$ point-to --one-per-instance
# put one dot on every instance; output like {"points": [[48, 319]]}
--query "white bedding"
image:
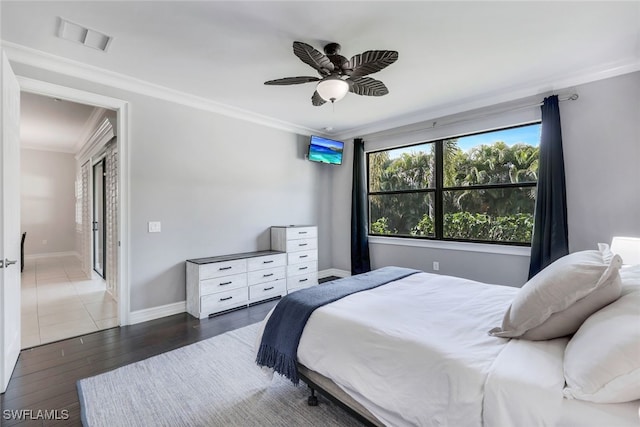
{"points": [[416, 352], [436, 369]]}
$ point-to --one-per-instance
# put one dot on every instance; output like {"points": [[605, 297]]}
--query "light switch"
{"points": [[154, 227]]}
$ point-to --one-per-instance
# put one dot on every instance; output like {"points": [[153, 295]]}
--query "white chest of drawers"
{"points": [[300, 242], [224, 282]]}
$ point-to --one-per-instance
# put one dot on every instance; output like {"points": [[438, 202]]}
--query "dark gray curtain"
{"points": [[550, 236], [360, 262]]}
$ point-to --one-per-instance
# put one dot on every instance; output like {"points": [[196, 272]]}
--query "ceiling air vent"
{"points": [[79, 34]]}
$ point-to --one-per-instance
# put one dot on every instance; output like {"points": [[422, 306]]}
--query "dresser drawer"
{"points": [[223, 300], [302, 281], [267, 290], [223, 283], [303, 268], [224, 268], [302, 256], [269, 261], [301, 232], [266, 275], [302, 245]]}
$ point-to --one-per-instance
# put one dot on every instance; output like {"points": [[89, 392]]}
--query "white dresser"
{"points": [[300, 242], [224, 282]]}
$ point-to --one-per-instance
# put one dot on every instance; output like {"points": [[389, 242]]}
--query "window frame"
{"points": [[439, 190]]}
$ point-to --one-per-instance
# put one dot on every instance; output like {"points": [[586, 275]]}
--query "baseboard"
{"points": [[153, 313], [333, 272], [52, 255]]}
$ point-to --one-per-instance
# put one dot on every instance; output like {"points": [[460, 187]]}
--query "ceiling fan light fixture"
{"points": [[332, 89]]}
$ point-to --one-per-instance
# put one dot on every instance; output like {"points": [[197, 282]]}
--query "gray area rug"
{"points": [[211, 383]]}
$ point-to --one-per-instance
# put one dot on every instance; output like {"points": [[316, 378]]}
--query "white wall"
{"points": [[216, 184], [601, 134], [47, 197], [602, 160]]}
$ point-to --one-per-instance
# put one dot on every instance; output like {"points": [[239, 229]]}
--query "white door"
{"points": [[9, 223]]}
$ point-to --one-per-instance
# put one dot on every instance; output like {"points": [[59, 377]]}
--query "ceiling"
{"points": [[54, 124], [452, 55]]}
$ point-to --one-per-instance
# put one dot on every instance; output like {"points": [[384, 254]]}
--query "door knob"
{"points": [[7, 263]]}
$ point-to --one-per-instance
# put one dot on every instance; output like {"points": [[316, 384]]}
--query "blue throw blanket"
{"points": [[279, 345]]}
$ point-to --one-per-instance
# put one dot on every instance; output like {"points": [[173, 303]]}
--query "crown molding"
{"points": [[39, 59], [554, 84], [98, 139], [89, 127]]}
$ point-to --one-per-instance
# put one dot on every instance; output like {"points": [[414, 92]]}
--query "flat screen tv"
{"points": [[325, 150]]}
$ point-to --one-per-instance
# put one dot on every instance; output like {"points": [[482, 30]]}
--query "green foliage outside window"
{"points": [[402, 187], [468, 226]]}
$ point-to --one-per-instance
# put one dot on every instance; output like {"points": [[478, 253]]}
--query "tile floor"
{"points": [[59, 302]]}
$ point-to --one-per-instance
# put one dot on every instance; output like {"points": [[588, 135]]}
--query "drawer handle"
{"points": [[225, 268], [302, 244], [302, 280], [302, 268], [267, 262], [225, 283], [302, 232], [303, 256], [225, 299], [268, 289], [267, 275]]}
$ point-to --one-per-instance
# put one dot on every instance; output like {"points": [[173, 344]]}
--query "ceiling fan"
{"points": [[339, 75]]}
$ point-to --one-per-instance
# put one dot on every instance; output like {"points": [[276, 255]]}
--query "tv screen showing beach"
{"points": [[325, 150]]}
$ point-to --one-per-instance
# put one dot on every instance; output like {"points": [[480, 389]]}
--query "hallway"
{"points": [[58, 302]]}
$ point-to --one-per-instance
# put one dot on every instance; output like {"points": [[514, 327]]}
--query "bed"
{"points": [[416, 352]]}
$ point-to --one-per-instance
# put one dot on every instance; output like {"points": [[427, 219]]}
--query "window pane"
{"points": [[501, 215], [499, 157], [409, 168], [402, 214]]}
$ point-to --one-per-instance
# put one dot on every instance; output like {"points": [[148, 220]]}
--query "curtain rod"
{"points": [[383, 134], [571, 97]]}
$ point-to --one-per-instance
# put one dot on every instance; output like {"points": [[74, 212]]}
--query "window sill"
{"points": [[452, 246]]}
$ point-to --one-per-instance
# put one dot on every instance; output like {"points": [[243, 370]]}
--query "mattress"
{"points": [[416, 352]]}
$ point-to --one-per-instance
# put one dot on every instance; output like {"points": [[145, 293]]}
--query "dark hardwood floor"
{"points": [[45, 376]]}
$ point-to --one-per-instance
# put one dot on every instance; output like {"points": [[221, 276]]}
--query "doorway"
{"points": [[54, 269], [65, 290]]}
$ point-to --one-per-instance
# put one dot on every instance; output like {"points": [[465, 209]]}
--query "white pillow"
{"points": [[556, 301], [602, 360]]}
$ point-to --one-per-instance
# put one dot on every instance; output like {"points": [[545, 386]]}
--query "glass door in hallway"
{"points": [[99, 213]]}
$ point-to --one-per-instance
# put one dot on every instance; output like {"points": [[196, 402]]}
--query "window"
{"points": [[478, 188]]}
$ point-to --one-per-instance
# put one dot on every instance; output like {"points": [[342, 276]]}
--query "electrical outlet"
{"points": [[155, 227], [436, 266]]}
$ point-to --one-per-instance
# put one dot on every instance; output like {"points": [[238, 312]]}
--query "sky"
{"points": [[527, 134], [524, 134]]}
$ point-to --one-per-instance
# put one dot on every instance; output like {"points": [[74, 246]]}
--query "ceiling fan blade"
{"points": [[372, 61], [313, 57], [316, 99], [292, 80], [367, 86]]}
